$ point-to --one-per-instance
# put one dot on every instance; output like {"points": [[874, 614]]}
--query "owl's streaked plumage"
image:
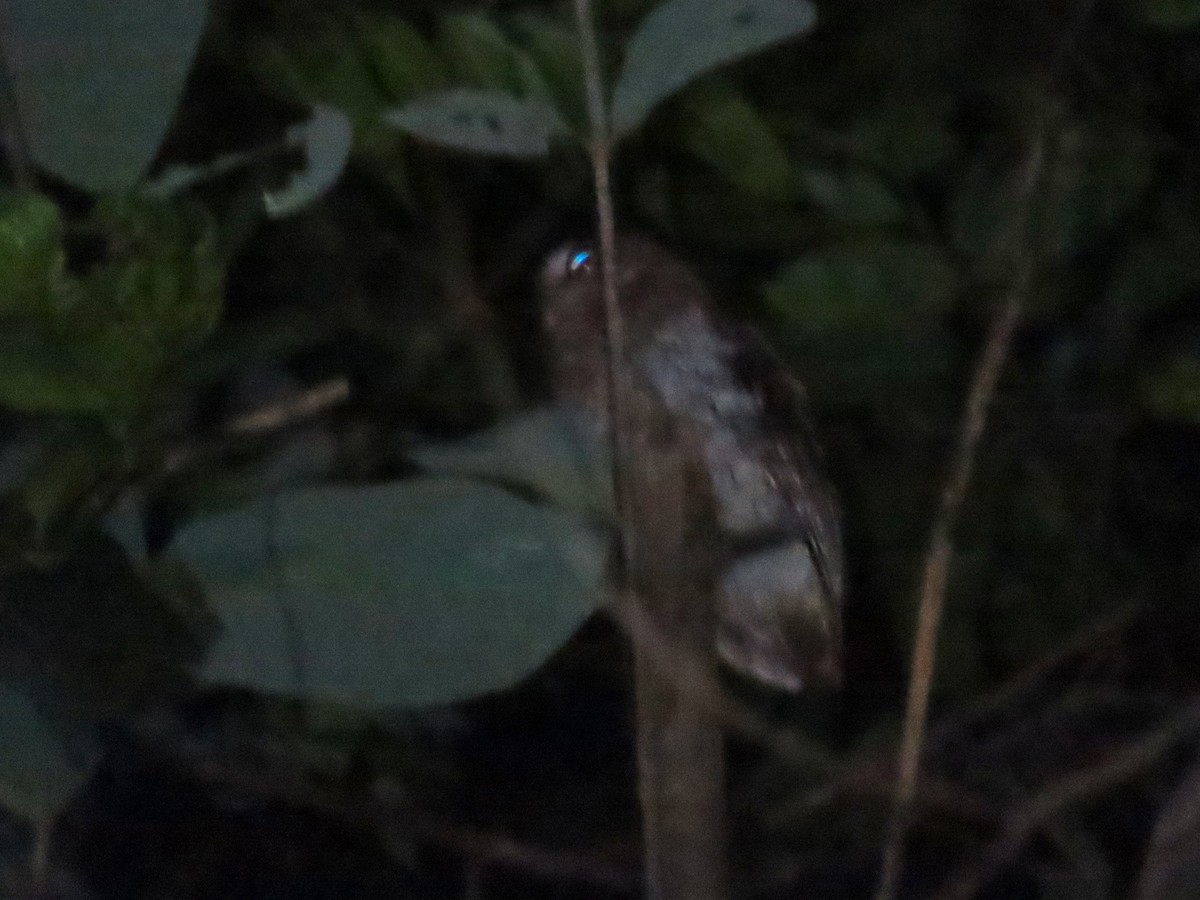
{"points": [[779, 593]]}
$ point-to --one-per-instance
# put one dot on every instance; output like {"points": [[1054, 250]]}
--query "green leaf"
{"points": [[404, 62], [39, 769], [545, 451], [326, 139], [554, 49], [867, 319], [67, 470], [97, 81], [682, 39], [31, 255], [482, 122], [333, 71], [403, 594], [852, 196], [480, 55], [38, 374], [906, 140], [729, 134]]}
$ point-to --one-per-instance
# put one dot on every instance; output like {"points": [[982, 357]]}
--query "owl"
{"points": [[746, 426]]}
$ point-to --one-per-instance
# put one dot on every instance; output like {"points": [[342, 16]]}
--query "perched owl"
{"points": [[779, 592]]}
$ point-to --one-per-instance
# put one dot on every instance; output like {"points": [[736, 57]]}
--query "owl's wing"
{"points": [[793, 553], [788, 442]]}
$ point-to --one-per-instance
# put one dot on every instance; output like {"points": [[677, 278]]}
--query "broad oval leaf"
{"points": [[729, 134], [40, 770], [404, 594], [326, 139], [97, 81], [867, 319], [682, 39], [545, 451], [482, 122]]}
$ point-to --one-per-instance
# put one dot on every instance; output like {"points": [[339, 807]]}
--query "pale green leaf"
{"points": [[97, 81], [404, 594], [481, 121], [682, 39], [326, 139]]}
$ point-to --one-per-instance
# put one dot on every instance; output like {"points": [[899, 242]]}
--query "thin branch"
{"points": [[1118, 767], [941, 544], [286, 413], [599, 151], [291, 410]]}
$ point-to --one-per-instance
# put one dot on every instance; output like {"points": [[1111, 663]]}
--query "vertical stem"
{"points": [[599, 151], [680, 752], [932, 595], [680, 747]]}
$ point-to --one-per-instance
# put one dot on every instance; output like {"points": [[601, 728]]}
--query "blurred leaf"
{"points": [[546, 451], [867, 318], [480, 55], [868, 288], [554, 49], [906, 140], [1171, 870], [97, 81], [326, 139], [852, 196], [1169, 15], [66, 472], [332, 71], [481, 121], [38, 374], [164, 281], [40, 772], [404, 594], [111, 333], [405, 64], [682, 39], [31, 254], [729, 134], [1171, 390]]}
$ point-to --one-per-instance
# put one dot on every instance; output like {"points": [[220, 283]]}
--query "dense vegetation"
{"points": [[297, 581]]}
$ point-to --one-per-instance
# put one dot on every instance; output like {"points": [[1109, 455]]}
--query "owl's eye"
{"points": [[580, 262]]}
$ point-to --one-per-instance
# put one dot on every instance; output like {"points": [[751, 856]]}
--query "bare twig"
{"points": [[292, 410], [680, 747], [296, 408], [599, 151], [1118, 767], [941, 544]]}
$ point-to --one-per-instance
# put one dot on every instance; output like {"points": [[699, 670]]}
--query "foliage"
{"points": [[213, 211]]}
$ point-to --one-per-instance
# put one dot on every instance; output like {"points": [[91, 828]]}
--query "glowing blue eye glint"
{"points": [[580, 261]]}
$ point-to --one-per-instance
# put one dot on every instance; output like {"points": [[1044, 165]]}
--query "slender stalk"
{"points": [[1021, 261], [680, 746]]}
